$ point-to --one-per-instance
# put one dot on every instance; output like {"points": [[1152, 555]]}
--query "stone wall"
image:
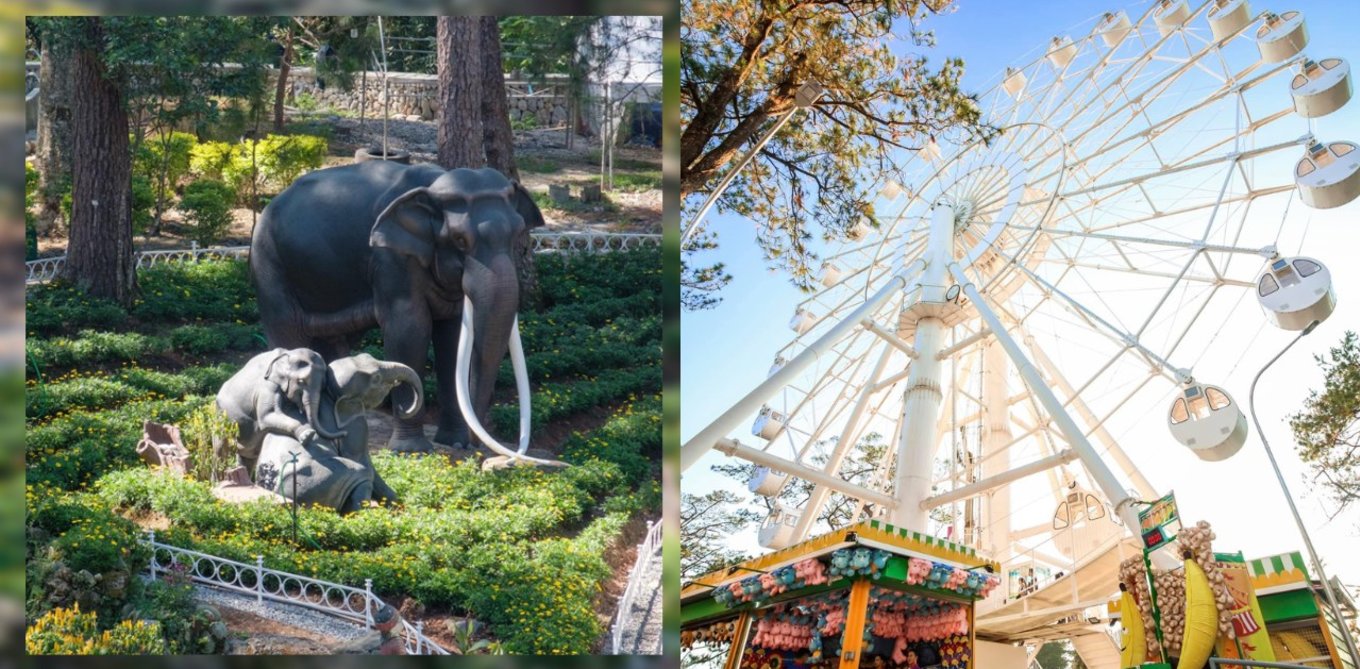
{"points": [[416, 95]]}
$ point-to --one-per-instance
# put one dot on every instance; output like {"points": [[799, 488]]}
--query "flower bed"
{"points": [[519, 549]]}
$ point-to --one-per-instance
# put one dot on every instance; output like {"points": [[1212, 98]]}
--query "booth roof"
{"points": [[869, 534]]}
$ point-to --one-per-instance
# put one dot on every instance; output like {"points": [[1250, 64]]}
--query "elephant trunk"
{"points": [[407, 376], [311, 402], [493, 290]]}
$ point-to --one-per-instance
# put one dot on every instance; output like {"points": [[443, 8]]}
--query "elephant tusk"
{"points": [[521, 384], [464, 398]]}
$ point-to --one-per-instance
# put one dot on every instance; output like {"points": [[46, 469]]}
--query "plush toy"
{"points": [[860, 560], [957, 577], [879, 563], [840, 563]]}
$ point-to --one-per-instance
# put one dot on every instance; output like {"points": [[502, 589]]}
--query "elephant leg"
{"points": [[406, 339], [330, 348], [361, 493], [382, 491], [453, 430]]}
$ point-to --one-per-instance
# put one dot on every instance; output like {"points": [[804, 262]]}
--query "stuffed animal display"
{"points": [[859, 562], [940, 576], [954, 652], [716, 633], [763, 586]]}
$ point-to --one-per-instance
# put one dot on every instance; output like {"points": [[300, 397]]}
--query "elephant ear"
{"points": [[525, 207], [407, 225]]}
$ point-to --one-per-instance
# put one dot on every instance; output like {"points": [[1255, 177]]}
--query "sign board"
{"points": [[1159, 522]]}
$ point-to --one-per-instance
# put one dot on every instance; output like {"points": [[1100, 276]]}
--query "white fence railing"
{"points": [[649, 548], [43, 270], [343, 601]]}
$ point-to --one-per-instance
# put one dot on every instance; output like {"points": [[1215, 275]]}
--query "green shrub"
{"points": [[216, 290], [208, 159], [270, 164], [143, 204], [58, 305], [70, 632], [30, 222], [162, 161], [306, 102], [283, 158], [207, 207], [208, 434]]}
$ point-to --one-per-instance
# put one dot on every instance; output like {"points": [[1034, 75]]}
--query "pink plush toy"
{"points": [[990, 585], [810, 571], [770, 584], [917, 570], [956, 579]]}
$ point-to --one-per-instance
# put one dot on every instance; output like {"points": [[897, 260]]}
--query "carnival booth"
{"points": [[869, 595]]}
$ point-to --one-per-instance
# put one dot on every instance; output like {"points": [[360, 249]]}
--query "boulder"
{"points": [[502, 462]]}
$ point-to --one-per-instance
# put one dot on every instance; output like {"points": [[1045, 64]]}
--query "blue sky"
{"points": [[728, 350]]}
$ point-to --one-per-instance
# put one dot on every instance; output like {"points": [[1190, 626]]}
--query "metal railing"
{"points": [[342, 601], [1216, 662], [43, 270], [650, 547]]}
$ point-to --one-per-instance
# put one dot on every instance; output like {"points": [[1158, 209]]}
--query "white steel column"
{"points": [[747, 406], [996, 452], [921, 402], [1101, 474]]}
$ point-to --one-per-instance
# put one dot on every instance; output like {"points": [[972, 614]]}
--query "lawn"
{"points": [[521, 550]]}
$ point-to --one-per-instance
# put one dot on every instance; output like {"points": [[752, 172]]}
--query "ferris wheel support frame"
{"points": [[704, 441], [1100, 473], [996, 446], [922, 399]]}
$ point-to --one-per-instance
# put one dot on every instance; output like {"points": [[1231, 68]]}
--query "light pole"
{"points": [[1307, 541], [802, 99]]}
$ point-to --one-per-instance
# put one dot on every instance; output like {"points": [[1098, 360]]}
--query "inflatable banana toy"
{"points": [[1201, 617], [1133, 650]]}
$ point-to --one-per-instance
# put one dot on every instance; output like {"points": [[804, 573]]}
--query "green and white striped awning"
{"points": [[1278, 573]]}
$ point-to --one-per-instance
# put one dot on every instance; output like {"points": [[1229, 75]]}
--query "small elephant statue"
{"points": [[339, 473], [276, 392]]}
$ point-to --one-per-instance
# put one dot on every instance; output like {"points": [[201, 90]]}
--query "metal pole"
{"points": [[294, 463], [259, 579], [805, 97], [1284, 487], [921, 402], [382, 44]]}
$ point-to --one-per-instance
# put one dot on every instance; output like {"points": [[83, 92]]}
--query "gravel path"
{"points": [[642, 625], [325, 625]]}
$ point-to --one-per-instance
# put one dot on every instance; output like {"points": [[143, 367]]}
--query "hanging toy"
{"points": [[840, 563], [879, 563]]}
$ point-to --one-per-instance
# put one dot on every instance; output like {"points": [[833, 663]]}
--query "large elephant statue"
{"points": [[276, 392], [424, 253], [339, 473]]}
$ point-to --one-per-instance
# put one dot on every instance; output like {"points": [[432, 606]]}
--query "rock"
{"points": [[501, 462], [591, 193], [368, 644], [559, 193], [237, 475]]}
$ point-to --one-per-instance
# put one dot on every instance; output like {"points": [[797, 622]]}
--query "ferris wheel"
{"points": [[1030, 303]]}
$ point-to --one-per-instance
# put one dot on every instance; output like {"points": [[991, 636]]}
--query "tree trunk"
{"points": [[54, 132], [285, 64], [500, 141], [460, 92], [99, 256]]}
